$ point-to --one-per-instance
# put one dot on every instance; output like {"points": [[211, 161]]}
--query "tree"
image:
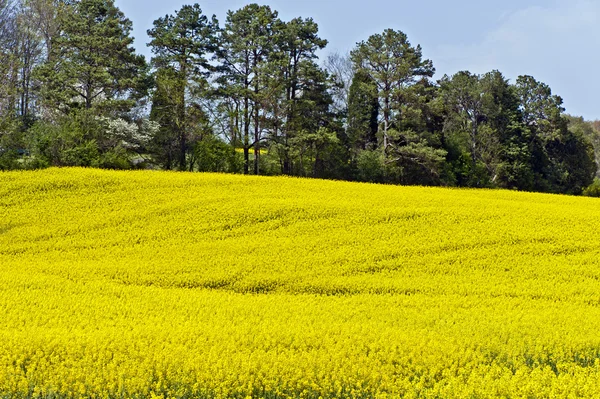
{"points": [[85, 139], [166, 111], [589, 130], [465, 125], [507, 156], [91, 78], [247, 47], [395, 65], [6, 19], [462, 98], [10, 137], [24, 36], [315, 125], [92, 63], [313, 147], [484, 123], [412, 152], [363, 112], [182, 45], [563, 159], [341, 70], [416, 153], [47, 16], [30, 55], [214, 155], [300, 75], [8, 58]]}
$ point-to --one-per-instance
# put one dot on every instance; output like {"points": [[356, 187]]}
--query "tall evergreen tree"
{"points": [[93, 63], [416, 153], [395, 65], [182, 44], [563, 159], [316, 127], [248, 43], [166, 111], [504, 150], [363, 112], [465, 118], [298, 47]]}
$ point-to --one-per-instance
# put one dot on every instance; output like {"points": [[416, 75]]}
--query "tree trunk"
{"points": [[256, 127], [246, 134], [474, 129], [386, 119], [182, 121], [256, 143]]}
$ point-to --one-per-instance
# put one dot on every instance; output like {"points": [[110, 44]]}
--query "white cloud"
{"points": [[558, 44]]}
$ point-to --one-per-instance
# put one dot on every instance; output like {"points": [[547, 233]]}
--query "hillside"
{"points": [[145, 284]]}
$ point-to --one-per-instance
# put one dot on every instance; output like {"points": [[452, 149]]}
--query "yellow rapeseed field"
{"points": [[175, 285]]}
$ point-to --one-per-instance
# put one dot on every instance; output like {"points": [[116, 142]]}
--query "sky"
{"points": [[556, 41]]}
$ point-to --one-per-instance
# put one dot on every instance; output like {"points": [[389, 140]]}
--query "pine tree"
{"points": [[92, 63], [248, 44], [395, 65], [363, 112]]}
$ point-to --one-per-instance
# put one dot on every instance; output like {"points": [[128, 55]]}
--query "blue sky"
{"points": [[558, 42]]}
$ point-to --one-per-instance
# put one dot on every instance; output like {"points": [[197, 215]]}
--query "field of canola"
{"points": [[155, 284]]}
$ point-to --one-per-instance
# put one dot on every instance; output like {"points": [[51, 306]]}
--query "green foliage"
{"points": [[184, 40], [310, 150], [461, 95], [541, 110], [395, 66], [83, 139], [593, 190], [93, 64], [413, 160], [516, 170], [182, 44], [370, 166], [248, 46], [573, 163], [363, 112], [306, 84], [168, 110], [390, 69], [517, 133], [71, 142], [12, 145], [591, 132], [214, 155], [564, 160], [252, 97]]}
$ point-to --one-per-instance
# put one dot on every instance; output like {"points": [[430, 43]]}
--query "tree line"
{"points": [[250, 95]]}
